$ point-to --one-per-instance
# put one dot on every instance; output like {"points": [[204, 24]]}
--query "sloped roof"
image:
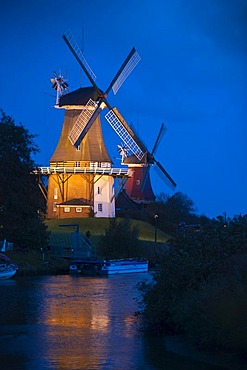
{"points": [[132, 159], [92, 147], [79, 96]]}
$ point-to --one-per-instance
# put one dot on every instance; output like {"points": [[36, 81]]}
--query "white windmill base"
{"points": [[104, 200]]}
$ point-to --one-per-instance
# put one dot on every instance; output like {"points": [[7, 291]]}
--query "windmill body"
{"points": [[81, 179], [139, 187], [81, 176], [135, 187]]}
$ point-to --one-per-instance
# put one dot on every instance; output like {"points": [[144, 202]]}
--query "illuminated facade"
{"points": [[80, 179]]}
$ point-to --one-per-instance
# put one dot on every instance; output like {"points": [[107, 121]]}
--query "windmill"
{"points": [[81, 178], [59, 83], [138, 187], [141, 158]]}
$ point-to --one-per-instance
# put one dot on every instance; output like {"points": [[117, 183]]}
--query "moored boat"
{"points": [[7, 268], [89, 266], [124, 266], [108, 267]]}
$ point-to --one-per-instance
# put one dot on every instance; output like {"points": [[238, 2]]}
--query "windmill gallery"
{"points": [[82, 181]]}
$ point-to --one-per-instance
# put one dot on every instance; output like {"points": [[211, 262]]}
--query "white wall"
{"points": [[103, 193]]}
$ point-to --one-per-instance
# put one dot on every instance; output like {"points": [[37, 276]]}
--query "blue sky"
{"points": [[192, 77]]}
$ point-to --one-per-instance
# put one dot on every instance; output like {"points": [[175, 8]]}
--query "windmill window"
{"points": [[100, 207], [55, 193], [99, 191], [77, 164], [78, 209], [67, 209], [93, 164], [54, 206], [105, 165], [78, 147]]}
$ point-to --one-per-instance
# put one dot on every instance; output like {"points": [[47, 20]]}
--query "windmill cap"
{"points": [[79, 97], [132, 159]]}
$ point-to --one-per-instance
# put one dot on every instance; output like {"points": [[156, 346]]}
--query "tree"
{"points": [[120, 240], [200, 288], [171, 211], [21, 205]]}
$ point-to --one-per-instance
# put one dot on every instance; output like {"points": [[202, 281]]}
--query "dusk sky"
{"points": [[192, 77]]}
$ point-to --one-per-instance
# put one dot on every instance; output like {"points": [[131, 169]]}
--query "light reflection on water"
{"points": [[64, 322], [99, 316]]}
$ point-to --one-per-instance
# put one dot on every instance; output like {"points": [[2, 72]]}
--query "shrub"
{"points": [[215, 316], [201, 287], [120, 240]]}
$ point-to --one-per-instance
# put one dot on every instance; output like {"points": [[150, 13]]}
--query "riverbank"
{"points": [[182, 345], [32, 263]]}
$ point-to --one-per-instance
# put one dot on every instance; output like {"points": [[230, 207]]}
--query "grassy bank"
{"points": [[97, 227], [35, 263], [31, 263]]}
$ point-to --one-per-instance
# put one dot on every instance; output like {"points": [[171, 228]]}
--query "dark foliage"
{"points": [[201, 286], [21, 204], [120, 240], [171, 211]]}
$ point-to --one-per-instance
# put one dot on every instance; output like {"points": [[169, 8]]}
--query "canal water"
{"points": [[66, 322]]}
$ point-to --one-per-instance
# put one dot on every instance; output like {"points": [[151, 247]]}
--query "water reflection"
{"points": [[87, 321], [85, 310], [74, 323]]}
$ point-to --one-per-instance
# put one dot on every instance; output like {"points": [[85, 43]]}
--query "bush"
{"points": [[215, 316], [201, 287], [120, 240]]}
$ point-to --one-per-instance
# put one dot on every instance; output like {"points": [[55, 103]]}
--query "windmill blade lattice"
{"points": [[123, 133], [159, 138], [81, 122], [164, 175], [157, 166], [117, 122], [75, 49], [129, 64]]}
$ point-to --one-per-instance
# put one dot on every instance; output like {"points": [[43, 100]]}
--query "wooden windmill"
{"points": [[81, 176], [138, 186], [140, 160]]}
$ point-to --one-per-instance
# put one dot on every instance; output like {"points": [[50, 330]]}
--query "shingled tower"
{"points": [[81, 178]]}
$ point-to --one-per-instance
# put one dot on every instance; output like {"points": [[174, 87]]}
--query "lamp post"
{"points": [[155, 227]]}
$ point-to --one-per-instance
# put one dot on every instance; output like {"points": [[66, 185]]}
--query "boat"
{"points": [[7, 268], [124, 266], [107, 267], [88, 266]]}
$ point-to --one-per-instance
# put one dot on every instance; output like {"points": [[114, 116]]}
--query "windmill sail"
{"points": [[151, 161], [126, 135], [81, 122], [165, 175], [130, 63], [116, 121], [74, 47], [159, 138]]}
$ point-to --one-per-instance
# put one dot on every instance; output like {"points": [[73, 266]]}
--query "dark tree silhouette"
{"points": [[21, 204], [120, 240]]}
